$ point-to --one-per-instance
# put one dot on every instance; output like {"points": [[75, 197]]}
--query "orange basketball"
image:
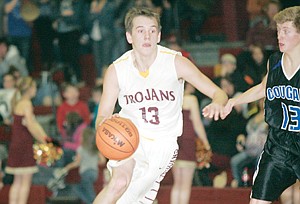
{"points": [[117, 138]]}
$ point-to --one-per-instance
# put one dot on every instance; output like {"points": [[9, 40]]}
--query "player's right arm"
{"points": [[109, 96]]}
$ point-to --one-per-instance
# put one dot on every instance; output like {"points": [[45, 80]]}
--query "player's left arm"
{"points": [[188, 71]]}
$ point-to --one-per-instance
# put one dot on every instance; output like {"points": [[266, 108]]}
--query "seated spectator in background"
{"points": [[10, 57], [15, 72], [94, 103], [47, 94], [263, 29], [252, 64], [71, 103], [72, 135], [226, 85], [6, 95], [259, 60], [87, 159], [228, 68], [249, 146]]}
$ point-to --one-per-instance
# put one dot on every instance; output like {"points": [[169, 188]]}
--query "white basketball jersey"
{"points": [[153, 103]]}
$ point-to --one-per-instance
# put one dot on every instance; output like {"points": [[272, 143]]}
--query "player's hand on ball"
{"points": [[103, 118]]}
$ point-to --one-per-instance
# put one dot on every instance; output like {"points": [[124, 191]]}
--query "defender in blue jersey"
{"points": [[279, 164]]}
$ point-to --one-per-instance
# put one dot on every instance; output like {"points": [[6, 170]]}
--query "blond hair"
{"points": [[135, 12], [289, 14], [22, 86]]}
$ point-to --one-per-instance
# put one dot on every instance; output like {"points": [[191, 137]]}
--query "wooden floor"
{"points": [[209, 195], [200, 195]]}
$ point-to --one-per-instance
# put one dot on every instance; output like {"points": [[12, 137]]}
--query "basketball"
{"points": [[117, 138]]}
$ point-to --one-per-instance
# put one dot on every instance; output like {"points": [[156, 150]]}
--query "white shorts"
{"points": [[154, 158]]}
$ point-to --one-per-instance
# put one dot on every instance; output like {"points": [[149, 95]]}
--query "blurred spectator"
{"points": [[175, 44], [3, 157], [71, 136], [48, 93], [87, 159], [255, 10], [45, 32], [196, 12], [6, 95], [249, 146], [2, 15], [226, 84], [94, 103], [185, 165], [15, 72], [228, 68], [222, 137], [19, 31], [253, 65], [168, 18], [9, 81], [100, 26], [71, 103], [68, 25], [25, 129], [120, 45], [263, 31], [10, 59]]}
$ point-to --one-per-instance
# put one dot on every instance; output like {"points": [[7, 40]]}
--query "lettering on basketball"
{"points": [[123, 125], [150, 95], [113, 137]]}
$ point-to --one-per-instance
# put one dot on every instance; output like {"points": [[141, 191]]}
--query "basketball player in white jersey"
{"points": [[148, 83]]}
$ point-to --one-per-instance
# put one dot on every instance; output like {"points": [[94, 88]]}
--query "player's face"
{"points": [[288, 37], [144, 35]]}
